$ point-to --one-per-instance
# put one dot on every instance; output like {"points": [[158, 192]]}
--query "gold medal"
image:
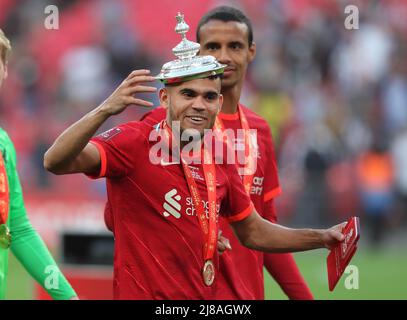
{"points": [[5, 236], [208, 273]]}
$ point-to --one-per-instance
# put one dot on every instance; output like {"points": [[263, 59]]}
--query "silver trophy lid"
{"points": [[188, 66]]}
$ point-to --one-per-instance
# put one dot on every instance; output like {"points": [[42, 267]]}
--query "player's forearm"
{"points": [[259, 234], [73, 140], [275, 238]]}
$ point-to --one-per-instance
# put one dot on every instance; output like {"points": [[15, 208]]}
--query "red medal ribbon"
{"points": [[248, 171], [209, 229], [4, 192]]}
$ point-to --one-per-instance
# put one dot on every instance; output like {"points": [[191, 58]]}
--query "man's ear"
{"points": [[252, 51], [164, 98], [220, 103]]}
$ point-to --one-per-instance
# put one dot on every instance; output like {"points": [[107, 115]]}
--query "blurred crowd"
{"points": [[335, 98]]}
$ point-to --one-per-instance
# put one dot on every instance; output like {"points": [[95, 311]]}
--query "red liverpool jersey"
{"points": [[239, 279], [158, 239]]}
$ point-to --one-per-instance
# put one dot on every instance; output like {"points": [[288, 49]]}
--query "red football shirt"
{"points": [[238, 279], [158, 239]]}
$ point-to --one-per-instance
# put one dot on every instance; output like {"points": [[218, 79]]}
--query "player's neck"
{"points": [[231, 97]]}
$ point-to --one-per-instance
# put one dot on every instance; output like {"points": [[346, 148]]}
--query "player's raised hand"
{"points": [[333, 236], [123, 96]]}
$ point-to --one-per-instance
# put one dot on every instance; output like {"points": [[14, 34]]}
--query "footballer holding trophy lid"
{"points": [[226, 33], [162, 253]]}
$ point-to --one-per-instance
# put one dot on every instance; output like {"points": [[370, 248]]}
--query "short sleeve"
{"points": [[108, 216], [271, 182], [154, 116], [118, 149], [237, 205], [269, 211]]}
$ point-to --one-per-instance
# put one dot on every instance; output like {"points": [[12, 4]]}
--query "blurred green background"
{"points": [[382, 275]]}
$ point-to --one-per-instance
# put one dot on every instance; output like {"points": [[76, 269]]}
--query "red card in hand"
{"points": [[340, 256]]}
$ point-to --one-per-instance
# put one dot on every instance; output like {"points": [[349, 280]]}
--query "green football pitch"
{"points": [[382, 275]]}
